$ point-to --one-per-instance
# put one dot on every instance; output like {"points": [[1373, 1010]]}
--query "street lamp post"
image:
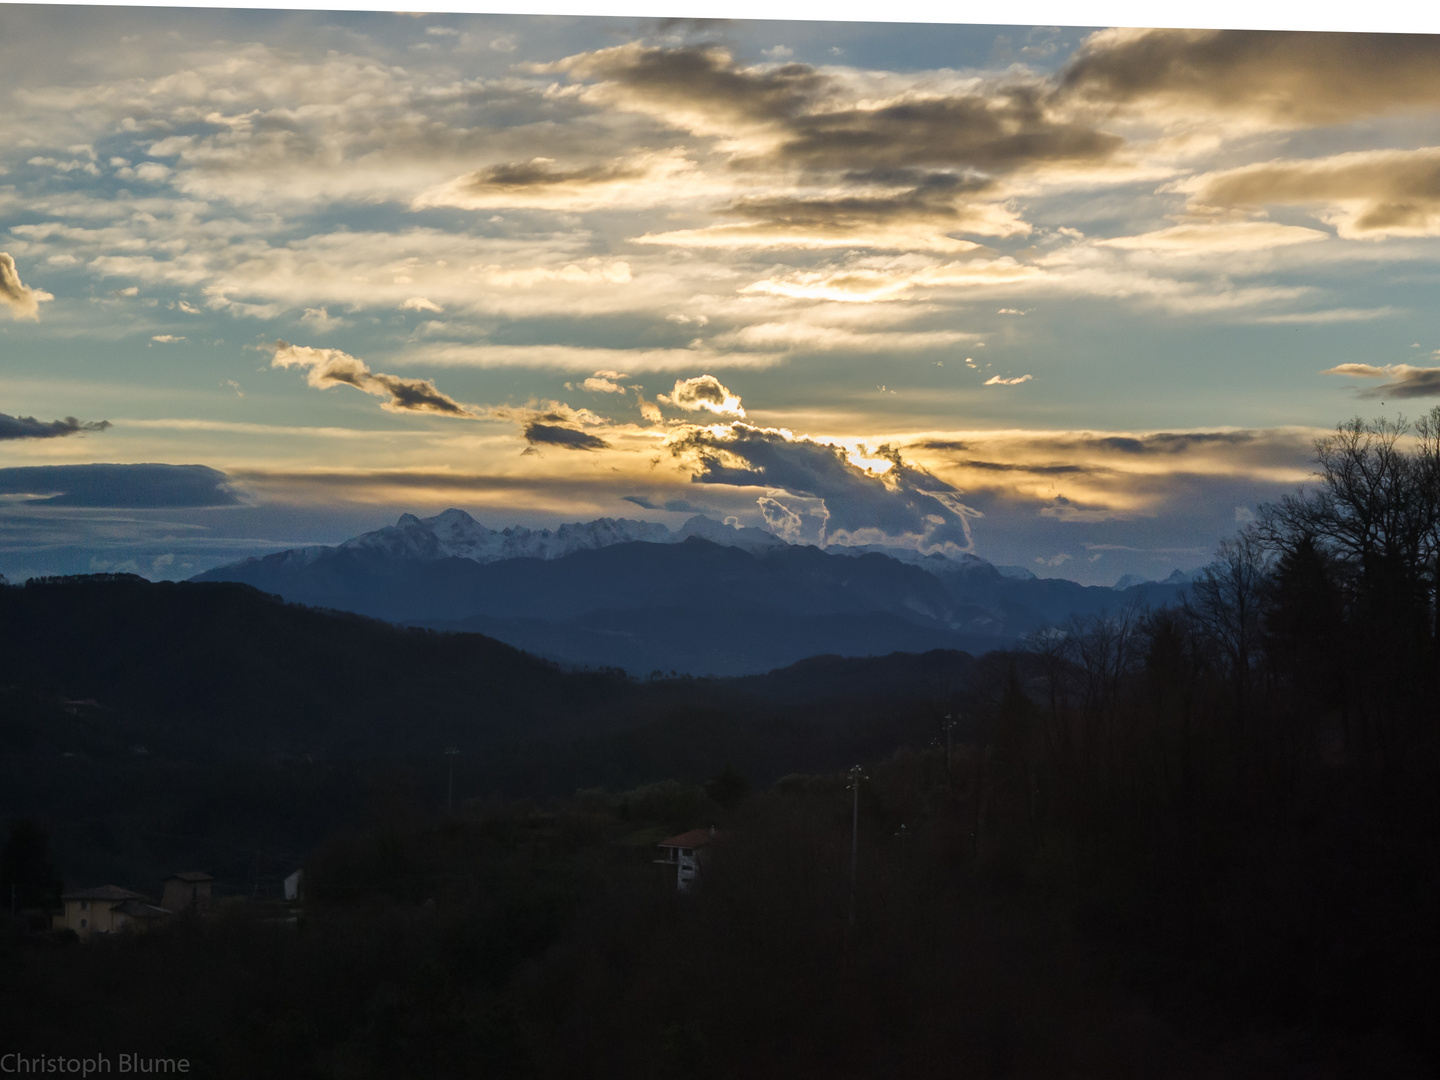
{"points": [[857, 774]]}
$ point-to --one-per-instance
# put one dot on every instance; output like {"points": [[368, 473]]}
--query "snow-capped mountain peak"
{"points": [[455, 534], [718, 532]]}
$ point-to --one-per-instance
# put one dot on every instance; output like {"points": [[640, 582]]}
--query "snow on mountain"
{"points": [[727, 535], [455, 534], [1177, 577], [967, 566], [1130, 581], [1016, 573]]}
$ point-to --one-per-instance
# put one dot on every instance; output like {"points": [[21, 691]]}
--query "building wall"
{"points": [[99, 918], [182, 895]]}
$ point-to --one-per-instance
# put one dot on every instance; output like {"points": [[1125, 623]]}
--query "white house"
{"points": [[102, 910], [686, 853]]}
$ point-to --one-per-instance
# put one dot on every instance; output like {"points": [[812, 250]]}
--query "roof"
{"points": [[102, 892], [692, 839], [136, 910], [190, 875]]}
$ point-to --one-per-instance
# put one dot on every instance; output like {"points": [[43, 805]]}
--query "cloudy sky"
{"points": [[1075, 298]]}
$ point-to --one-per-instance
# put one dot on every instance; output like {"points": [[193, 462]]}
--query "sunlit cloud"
{"points": [[703, 392], [604, 382], [577, 358], [798, 335], [1281, 77], [1405, 380], [639, 180], [553, 423], [331, 367], [1219, 237], [1367, 194], [18, 298], [872, 281], [808, 484]]}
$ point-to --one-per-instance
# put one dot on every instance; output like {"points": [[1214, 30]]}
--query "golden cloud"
{"points": [[1367, 194], [1282, 77], [331, 367], [23, 301]]}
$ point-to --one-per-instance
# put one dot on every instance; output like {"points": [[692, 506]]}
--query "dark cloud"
{"points": [[1405, 381], [1165, 442], [904, 504], [1001, 132], [27, 427], [570, 438], [23, 301], [934, 206], [541, 172], [676, 506], [416, 395], [704, 78], [120, 486], [1409, 383], [552, 423], [1289, 76], [1009, 128], [331, 367]]}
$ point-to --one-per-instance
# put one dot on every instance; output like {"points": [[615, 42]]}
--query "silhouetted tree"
{"points": [[26, 873], [727, 788], [1373, 521]]}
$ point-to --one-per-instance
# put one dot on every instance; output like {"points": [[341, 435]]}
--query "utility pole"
{"points": [[450, 752], [856, 775]]}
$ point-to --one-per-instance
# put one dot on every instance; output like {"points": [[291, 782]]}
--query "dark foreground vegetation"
{"points": [[1189, 842]]}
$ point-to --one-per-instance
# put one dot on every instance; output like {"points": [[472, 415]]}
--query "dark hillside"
{"points": [[224, 667], [149, 723], [693, 607]]}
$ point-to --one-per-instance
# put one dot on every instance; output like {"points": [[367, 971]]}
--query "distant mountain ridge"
{"points": [[708, 598], [455, 534]]}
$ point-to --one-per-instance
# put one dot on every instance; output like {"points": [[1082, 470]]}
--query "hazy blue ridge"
{"points": [[591, 596]]}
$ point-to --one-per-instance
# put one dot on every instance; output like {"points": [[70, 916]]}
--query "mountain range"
{"points": [[708, 598]]}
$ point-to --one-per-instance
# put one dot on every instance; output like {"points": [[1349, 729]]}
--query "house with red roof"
{"points": [[686, 853]]}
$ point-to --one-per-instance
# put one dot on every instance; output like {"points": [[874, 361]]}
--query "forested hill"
{"points": [[132, 710], [226, 667], [220, 668]]}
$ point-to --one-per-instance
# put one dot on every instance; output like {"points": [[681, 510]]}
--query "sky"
{"points": [[1078, 299]]}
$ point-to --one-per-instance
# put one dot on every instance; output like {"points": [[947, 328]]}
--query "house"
{"points": [[295, 887], [187, 891], [94, 911], [136, 916], [686, 853]]}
